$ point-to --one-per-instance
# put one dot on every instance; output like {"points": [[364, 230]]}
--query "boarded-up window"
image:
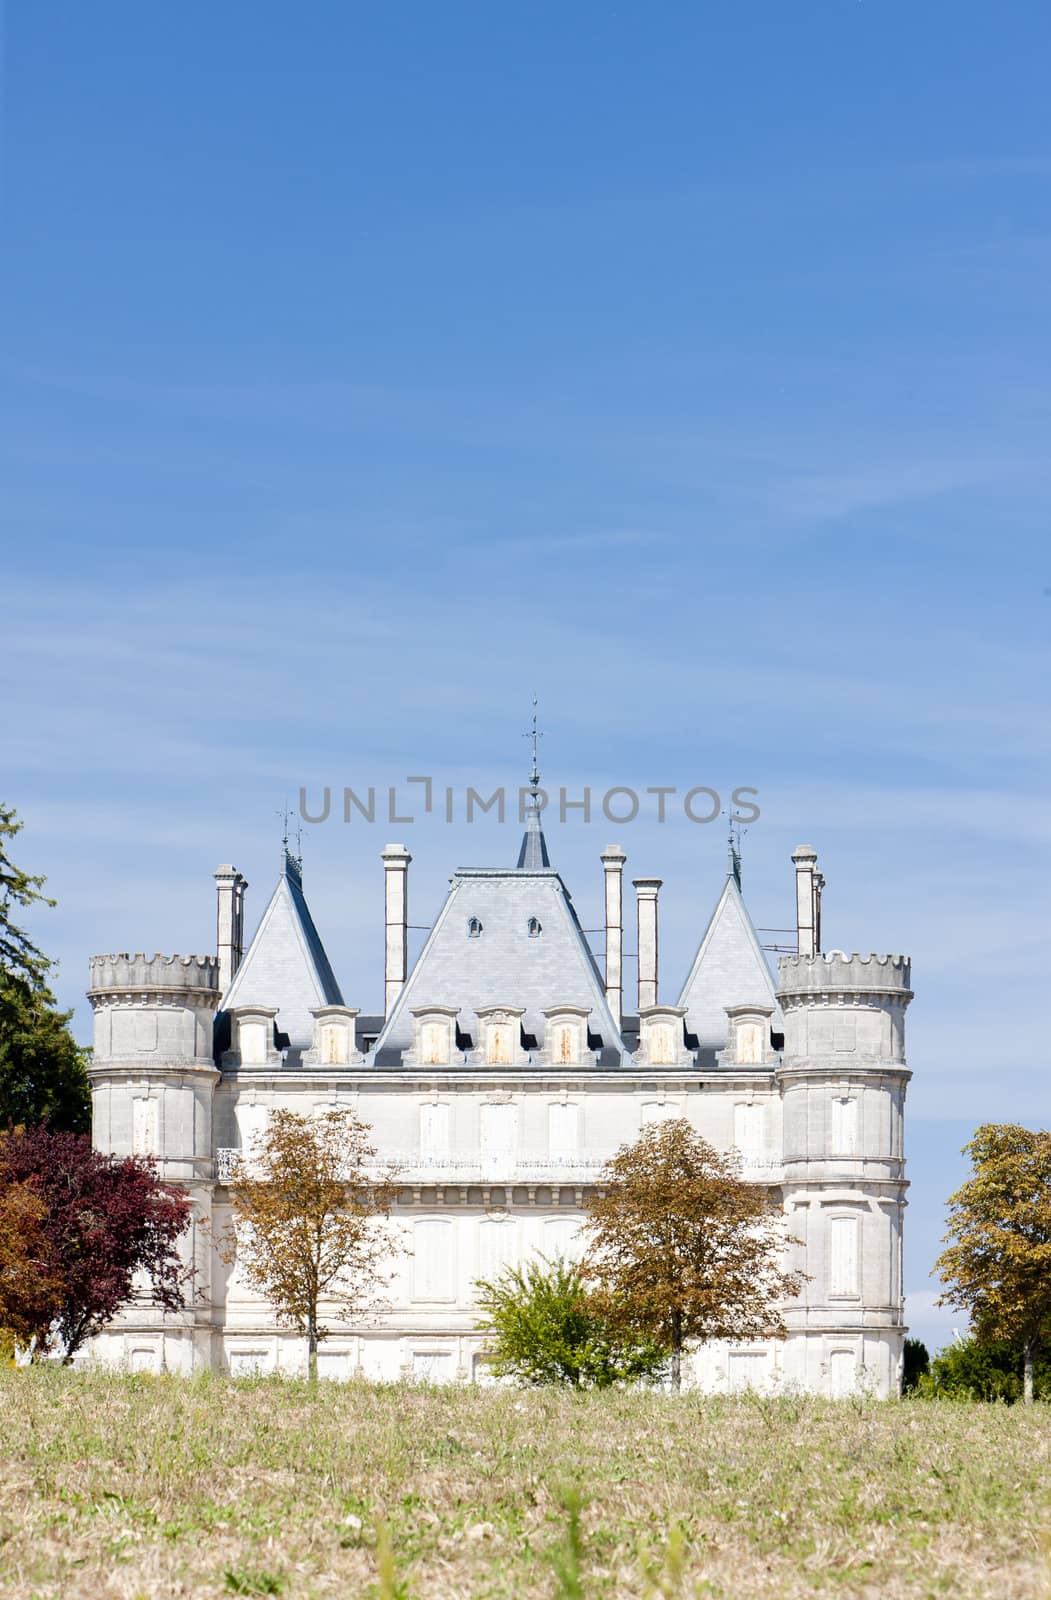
{"points": [[333, 1365], [251, 1125], [657, 1111], [843, 1256], [845, 1034], [432, 1366], [844, 1130], [432, 1261], [434, 1044], [563, 1129], [562, 1237], [745, 1369], [248, 1363], [498, 1129], [252, 1038], [567, 1044], [842, 1373], [334, 1045], [748, 1127], [498, 1044], [749, 1044], [497, 1246], [144, 1360], [661, 1045], [145, 1121], [434, 1130]]}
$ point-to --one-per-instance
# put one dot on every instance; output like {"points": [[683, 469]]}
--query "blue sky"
{"points": [[365, 370]]}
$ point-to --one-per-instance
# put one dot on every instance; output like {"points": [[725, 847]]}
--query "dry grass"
{"points": [[134, 1486]]}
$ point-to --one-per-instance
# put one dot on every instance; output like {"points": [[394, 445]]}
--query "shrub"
{"points": [[546, 1328]]}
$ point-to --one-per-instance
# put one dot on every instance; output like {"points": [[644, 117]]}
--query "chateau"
{"points": [[502, 1073]]}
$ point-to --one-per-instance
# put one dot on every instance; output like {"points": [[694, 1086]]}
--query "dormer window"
{"points": [[533, 927], [498, 1044], [565, 1035], [334, 1040], [566, 1052], [474, 928], [434, 1044], [499, 1035], [435, 1035]]}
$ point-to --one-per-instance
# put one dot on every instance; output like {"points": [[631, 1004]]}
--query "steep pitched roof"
{"points": [[728, 969], [286, 965], [503, 963]]}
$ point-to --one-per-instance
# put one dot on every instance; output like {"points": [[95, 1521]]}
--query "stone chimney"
{"points": [[229, 937], [613, 859], [808, 900], [646, 891], [396, 873]]}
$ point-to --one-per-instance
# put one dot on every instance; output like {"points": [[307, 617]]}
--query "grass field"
{"points": [[134, 1486]]}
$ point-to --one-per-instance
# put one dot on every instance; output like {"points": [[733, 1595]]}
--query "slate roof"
{"points": [[730, 968], [503, 964], [286, 965]]}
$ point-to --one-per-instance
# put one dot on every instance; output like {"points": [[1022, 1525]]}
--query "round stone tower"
{"points": [[843, 1079], [153, 1078]]}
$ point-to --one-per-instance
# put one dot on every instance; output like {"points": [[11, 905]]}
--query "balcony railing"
{"points": [[503, 1166]]}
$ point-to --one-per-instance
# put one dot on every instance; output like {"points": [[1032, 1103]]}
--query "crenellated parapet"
{"points": [[810, 977], [140, 974]]}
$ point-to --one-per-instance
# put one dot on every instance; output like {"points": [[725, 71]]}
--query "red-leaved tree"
{"points": [[97, 1221]]}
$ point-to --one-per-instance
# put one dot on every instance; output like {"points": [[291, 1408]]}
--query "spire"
{"points": [[733, 846], [533, 853], [291, 864]]}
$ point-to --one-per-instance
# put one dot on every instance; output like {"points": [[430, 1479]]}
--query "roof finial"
{"points": [[733, 845], [534, 733], [290, 862]]}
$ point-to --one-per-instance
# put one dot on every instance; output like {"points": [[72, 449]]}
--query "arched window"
{"points": [[474, 928], [533, 927]]}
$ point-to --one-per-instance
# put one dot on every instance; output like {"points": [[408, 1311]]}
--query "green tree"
{"points": [[971, 1370], [43, 1071], [545, 1327], [997, 1266], [683, 1248], [305, 1212], [18, 953], [916, 1362]]}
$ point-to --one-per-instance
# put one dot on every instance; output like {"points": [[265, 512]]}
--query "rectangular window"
{"points": [[562, 1238], [656, 1111], [252, 1041], [745, 1369], [333, 1365], [498, 1129], [432, 1366], [434, 1044], [434, 1130], [748, 1127], [144, 1127], [248, 1363], [496, 1247], [432, 1260], [563, 1129], [498, 1044], [842, 1373], [334, 1051], [844, 1126], [843, 1256]]}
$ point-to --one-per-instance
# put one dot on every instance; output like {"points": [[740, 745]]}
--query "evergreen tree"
{"points": [[43, 1071]]}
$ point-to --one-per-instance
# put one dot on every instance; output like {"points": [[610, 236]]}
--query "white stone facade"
{"points": [[500, 1115]]}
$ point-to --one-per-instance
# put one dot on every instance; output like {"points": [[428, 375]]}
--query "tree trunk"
{"points": [[1027, 1373], [676, 1352], [312, 1350]]}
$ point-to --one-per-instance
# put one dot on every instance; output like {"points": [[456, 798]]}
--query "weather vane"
{"points": [[534, 733]]}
